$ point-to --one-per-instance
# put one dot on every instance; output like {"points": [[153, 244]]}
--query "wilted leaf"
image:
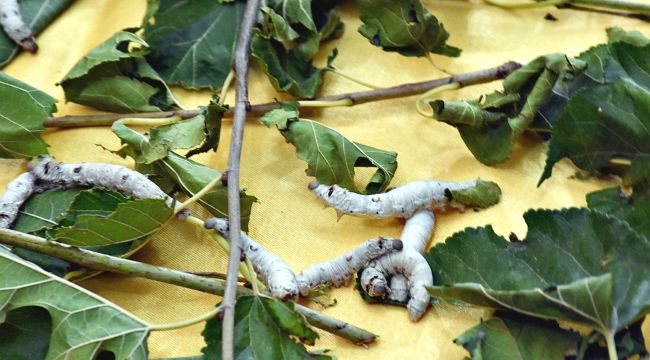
{"points": [[213, 113], [23, 110], [114, 78], [37, 14], [574, 265], [264, 328], [405, 26], [73, 311], [513, 336], [192, 42], [330, 156]]}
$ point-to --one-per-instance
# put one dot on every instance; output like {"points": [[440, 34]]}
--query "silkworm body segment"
{"points": [[14, 26]]}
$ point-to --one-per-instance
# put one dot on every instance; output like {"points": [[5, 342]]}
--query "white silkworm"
{"points": [[407, 269], [13, 24], [112, 177], [340, 270], [272, 270], [16, 193], [402, 201]]}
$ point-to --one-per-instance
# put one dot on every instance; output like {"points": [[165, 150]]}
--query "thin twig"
{"points": [[214, 275], [242, 54], [360, 97], [103, 262]]}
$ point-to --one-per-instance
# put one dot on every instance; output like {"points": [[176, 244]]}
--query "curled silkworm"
{"points": [[272, 270], [404, 201], [112, 177], [415, 268], [340, 270], [13, 24], [403, 276]]}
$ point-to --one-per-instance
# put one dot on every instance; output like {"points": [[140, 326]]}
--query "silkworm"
{"points": [[16, 193], [402, 201], [399, 288], [109, 176], [340, 270], [272, 270], [14, 26]]}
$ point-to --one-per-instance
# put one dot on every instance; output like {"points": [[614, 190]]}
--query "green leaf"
{"points": [[330, 156], [405, 26], [192, 42], [37, 14], [73, 311], [276, 27], [636, 38], [629, 342], [114, 78], [190, 177], [264, 328], [574, 265], [25, 333], [612, 120], [213, 114], [286, 69], [513, 336], [23, 110], [42, 211], [483, 195], [131, 221], [147, 149]]}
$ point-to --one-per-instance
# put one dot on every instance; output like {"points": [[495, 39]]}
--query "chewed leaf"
{"points": [[23, 110], [483, 195], [574, 265], [330, 156], [131, 221], [42, 211], [72, 310], [37, 13], [512, 336], [405, 26], [274, 324], [192, 42], [115, 78]]}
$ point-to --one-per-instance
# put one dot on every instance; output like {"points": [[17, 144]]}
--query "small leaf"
{"points": [[192, 42], [23, 110], [147, 149], [73, 310], [636, 38], [131, 221], [574, 265], [513, 336], [286, 70], [483, 195], [114, 78], [330, 156], [264, 328], [212, 114], [405, 26], [37, 14]]}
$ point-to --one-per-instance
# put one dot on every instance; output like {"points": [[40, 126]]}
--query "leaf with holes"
{"points": [[405, 26], [23, 110], [574, 265], [330, 156], [114, 77], [192, 42], [72, 310], [37, 14]]}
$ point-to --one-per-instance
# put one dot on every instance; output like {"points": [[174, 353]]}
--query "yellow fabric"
{"points": [[288, 220]]}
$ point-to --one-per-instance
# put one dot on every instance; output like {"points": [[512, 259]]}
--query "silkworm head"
{"points": [[313, 185]]}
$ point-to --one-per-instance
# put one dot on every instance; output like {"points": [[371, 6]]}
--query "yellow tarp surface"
{"points": [[288, 220]]}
